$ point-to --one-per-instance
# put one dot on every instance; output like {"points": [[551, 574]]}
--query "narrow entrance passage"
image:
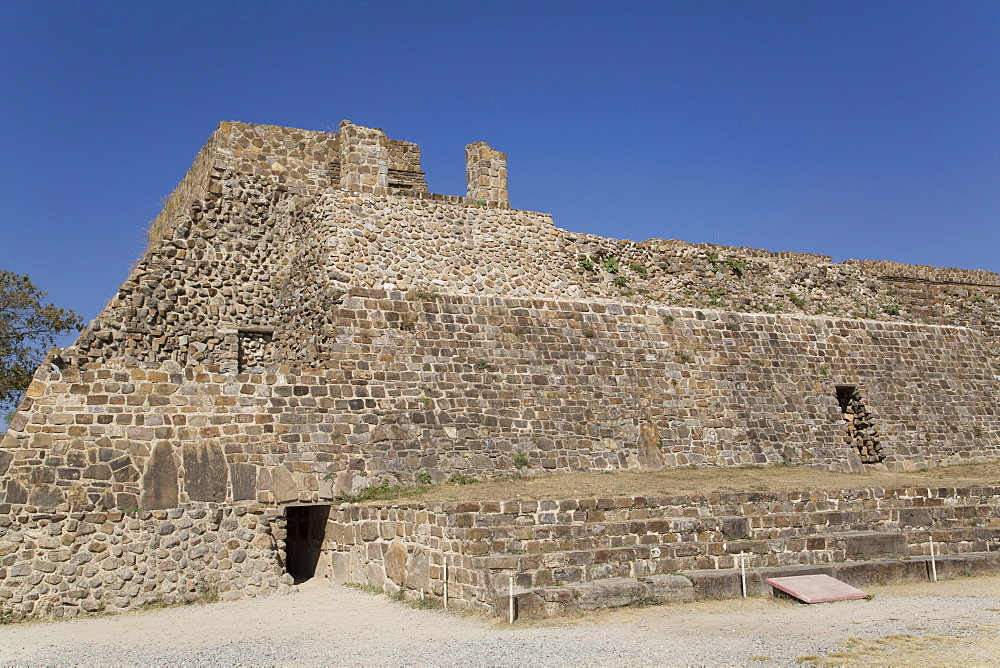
{"points": [[306, 526]]}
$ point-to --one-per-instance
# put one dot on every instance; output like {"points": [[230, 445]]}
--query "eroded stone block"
{"points": [[159, 482], [205, 472]]}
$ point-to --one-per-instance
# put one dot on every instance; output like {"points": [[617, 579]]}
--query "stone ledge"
{"points": [[543, 602], [726, 583]]}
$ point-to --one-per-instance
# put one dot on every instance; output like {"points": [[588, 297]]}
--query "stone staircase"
{"points": [[604, 579], [541, 602], [598, 574], [581, 554]]}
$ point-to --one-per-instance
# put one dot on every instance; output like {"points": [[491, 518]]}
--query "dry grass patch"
{"points": [[908, 649], [704, 481]]}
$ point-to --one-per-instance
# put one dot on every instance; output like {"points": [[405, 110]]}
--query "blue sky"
{"points": [[854, 129]]}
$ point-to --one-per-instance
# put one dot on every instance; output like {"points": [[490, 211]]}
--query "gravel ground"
{"points": [[957, 621]]}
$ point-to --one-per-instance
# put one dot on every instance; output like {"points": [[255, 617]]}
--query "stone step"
{"points": [[541, 602], [849, 545], [727, 583], [854, 545], [732, 526], [549, 601], [738, 536], [576, 566], [868, 545], [566, 567]]}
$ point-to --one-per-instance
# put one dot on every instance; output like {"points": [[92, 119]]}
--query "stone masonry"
{"points": [[309, 320], [565, 543], [486, 174]]}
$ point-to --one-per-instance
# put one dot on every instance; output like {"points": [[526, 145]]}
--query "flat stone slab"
{"points": [[815, 588]]}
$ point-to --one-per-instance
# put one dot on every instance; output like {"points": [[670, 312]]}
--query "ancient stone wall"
{"points": [[386, 313], [258, 257], [64, 564], [309, 320], [275, 161], [403, 547], [403, 385], [486, 174]]}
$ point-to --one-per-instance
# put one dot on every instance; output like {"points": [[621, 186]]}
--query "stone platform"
{"points": [[695, 585], [579, 554]]}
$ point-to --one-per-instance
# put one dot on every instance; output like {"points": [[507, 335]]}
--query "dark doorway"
{"points": [[306, 527]]}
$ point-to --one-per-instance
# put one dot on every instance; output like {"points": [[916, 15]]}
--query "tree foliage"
{"points": [[28, 328]]}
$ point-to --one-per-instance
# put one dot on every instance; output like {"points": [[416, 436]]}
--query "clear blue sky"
{"points": [[854, 129]]}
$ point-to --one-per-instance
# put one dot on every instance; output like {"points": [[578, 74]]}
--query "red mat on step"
{"points": [[815, 588]]}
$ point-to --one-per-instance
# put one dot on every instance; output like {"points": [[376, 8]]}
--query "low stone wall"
{"points": [[64, 564], [545, 543]]}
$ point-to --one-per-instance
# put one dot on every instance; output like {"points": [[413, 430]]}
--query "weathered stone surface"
{"points": [[205, 472], [45, 497], [875, 545], [391, 432], [608, 593], [283, 485], [159, 482], [915, 517], [648, 446], [418, 569], [82, 560], [6, 457], [16, 492], [670, 588], [395, 562], [97, 472], [715, 584], [735, 528], [866, 573], [244, 481]]}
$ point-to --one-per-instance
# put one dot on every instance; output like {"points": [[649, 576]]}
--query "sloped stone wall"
{"points": [[259, 257], [258, 234], [284, 340], [408, 385], [431, 336]]}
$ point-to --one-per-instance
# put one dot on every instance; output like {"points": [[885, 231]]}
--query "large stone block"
{"points": [[865, 545], [283, 485], [45, 497], [715, 584], [735, 528], [6, 457], [650, 456], [15, 493], [418, 569], [205, 472], [395, 562], [612, 593], [159, 482], [670, 588], [915, 517], [244, 481]]}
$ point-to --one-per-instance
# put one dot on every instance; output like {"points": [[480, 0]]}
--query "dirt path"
{"points": [[953, 622]]}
